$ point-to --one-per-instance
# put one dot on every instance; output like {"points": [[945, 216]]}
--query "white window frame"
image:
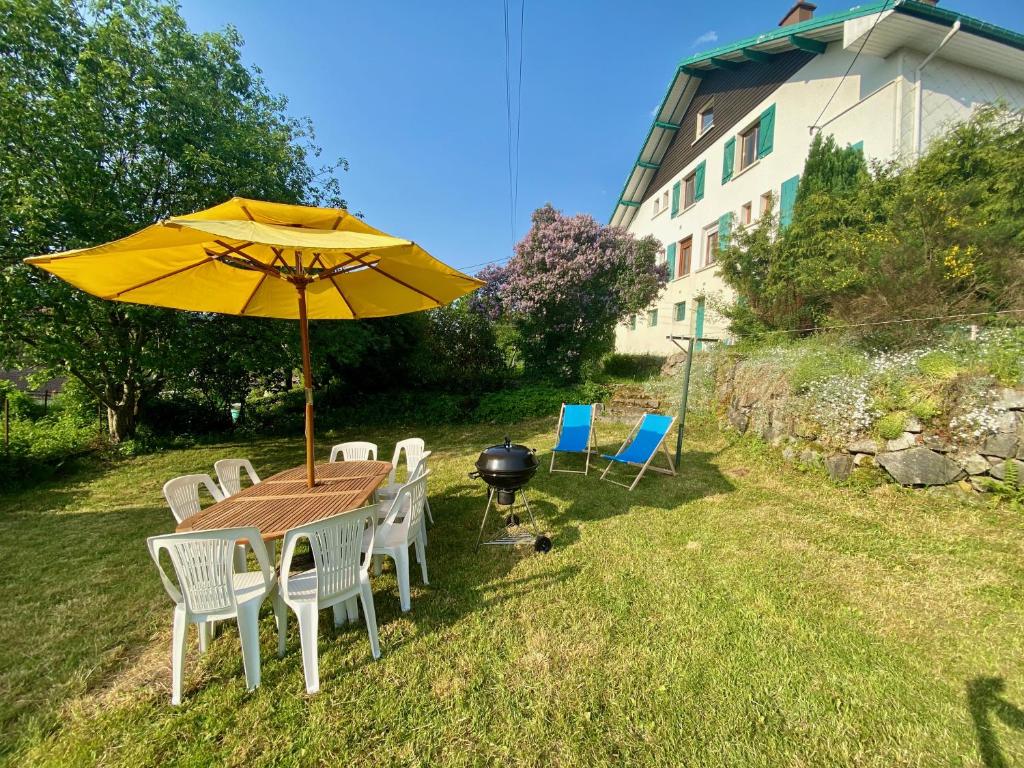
{"points": [[689, 183], [765, 203], [707, 258], [657, 206], [755, 129], [747, 213], [709, 106]]}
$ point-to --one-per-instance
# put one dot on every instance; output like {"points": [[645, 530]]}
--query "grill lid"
{"points": [[507, 458]]}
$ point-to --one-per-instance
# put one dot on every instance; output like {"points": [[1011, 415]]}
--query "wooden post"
{"points": [[682, 403], [307, 382]]}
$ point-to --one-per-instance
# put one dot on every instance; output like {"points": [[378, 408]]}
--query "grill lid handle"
{"points": [[508, 443]]}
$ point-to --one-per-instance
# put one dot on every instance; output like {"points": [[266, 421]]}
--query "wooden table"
{"points": [[283, 501]]}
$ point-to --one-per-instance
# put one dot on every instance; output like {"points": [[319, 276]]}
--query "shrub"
{"points": [[636, 367], [938, 365], [534, 400], [824, 358], [891, 425], [40, 448]]}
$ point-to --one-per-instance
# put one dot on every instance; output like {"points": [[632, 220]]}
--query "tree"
{"points": [[114, 119], [569, 283]]}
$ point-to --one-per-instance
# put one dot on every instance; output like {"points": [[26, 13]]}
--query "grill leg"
{"points": [[533, 520], [480, 536]]}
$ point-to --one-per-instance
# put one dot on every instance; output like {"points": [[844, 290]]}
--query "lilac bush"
{"points": [[569, 283]]}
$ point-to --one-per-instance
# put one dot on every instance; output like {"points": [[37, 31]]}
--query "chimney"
{"points": [[800, 11]]}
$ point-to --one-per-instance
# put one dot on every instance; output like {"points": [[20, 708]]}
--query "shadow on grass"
{"points": [[986, 703]]}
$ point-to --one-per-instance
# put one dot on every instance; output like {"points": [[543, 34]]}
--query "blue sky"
{"points": [[413, 95]]}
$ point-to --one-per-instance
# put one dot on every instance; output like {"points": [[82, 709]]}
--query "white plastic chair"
{"points": [[402, 528], [229, 474], [357, 450], [182, 494], [415, 452], [336, 581], [209, 589], [390, 491]]}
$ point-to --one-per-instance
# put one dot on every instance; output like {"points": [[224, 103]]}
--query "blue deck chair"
{"points": [[576, 434], [641, 446]]}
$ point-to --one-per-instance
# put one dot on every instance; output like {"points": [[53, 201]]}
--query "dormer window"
{"points": [[706, 118]]}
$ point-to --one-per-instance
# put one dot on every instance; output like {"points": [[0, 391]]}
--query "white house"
{"points": [[736, 124]]}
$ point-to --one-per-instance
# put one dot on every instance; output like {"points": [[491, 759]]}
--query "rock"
{"points": [[1008, 422], [998, 471], [974, 464], [965, 485], [738, 419], [839, 466], [937, 444], [1002, 446], [806, 430], [864, 460], [863, 445], [673, 364], [775, 433], [807, 456], [1010, 400], [913, 425], [901, 443], [979, 483], [920, 466]]}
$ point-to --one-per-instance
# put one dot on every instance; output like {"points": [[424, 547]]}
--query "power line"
{"points": [[849, 69]]}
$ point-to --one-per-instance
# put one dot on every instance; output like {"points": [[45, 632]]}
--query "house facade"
{"points": [[736, 124]]}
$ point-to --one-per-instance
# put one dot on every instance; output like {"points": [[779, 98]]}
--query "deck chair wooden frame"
{"points": [[591, 442], [647, 464]]}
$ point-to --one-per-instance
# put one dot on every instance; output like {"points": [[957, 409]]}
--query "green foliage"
{"points": [[41, 448], [938, 365], [891, 425], [114, 117], [509, 406], [940, 237], [1003, 356], [822, 359], [1010, 487], [635, 367]]}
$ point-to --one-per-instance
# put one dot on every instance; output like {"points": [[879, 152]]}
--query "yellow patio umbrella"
{"points": [[251, 257]]}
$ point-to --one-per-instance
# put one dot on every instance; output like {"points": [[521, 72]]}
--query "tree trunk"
{"points": [[122, 416]]}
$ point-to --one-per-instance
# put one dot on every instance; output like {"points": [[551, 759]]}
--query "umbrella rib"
{"points": [[376, 268], [143, 284], [248, 301], [342, 294]]}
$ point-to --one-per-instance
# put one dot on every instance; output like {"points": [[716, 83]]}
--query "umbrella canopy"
{"points": [[252, 257]]}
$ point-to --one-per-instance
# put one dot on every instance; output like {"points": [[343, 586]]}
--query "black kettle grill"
{"points": [[507, 468]]}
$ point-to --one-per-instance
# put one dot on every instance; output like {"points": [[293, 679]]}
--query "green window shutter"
{"points": [[787, 198], [728, 158], [632, 323], [724, 228], [652, 318], [766, 138], [675, 198], [859, 146], [681, 311], [670, 257], [698, 182]]}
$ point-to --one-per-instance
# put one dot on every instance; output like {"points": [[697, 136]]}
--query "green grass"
{"points": [[742, 613]]}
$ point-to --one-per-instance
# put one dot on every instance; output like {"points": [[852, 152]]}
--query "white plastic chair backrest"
{"points": [[408, 505], [413, 447], [337, 546], [204, 563], [229, 474], [182, 494], [357, 450]]}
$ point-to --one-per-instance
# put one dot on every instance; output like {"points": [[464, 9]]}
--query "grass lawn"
{"points": [[743, 613]]}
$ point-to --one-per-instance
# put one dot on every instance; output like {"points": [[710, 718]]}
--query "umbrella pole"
{"points": [[307, 383]]}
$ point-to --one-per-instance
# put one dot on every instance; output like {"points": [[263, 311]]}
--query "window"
{"points": [[632, 323], [690, 190], [681, 311], [706, 118], [652, 317], [657, 205], [684, 257], [660, 258], [746, 213], [766, 204], [748, 145], [664, 200], [711, 244]]}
